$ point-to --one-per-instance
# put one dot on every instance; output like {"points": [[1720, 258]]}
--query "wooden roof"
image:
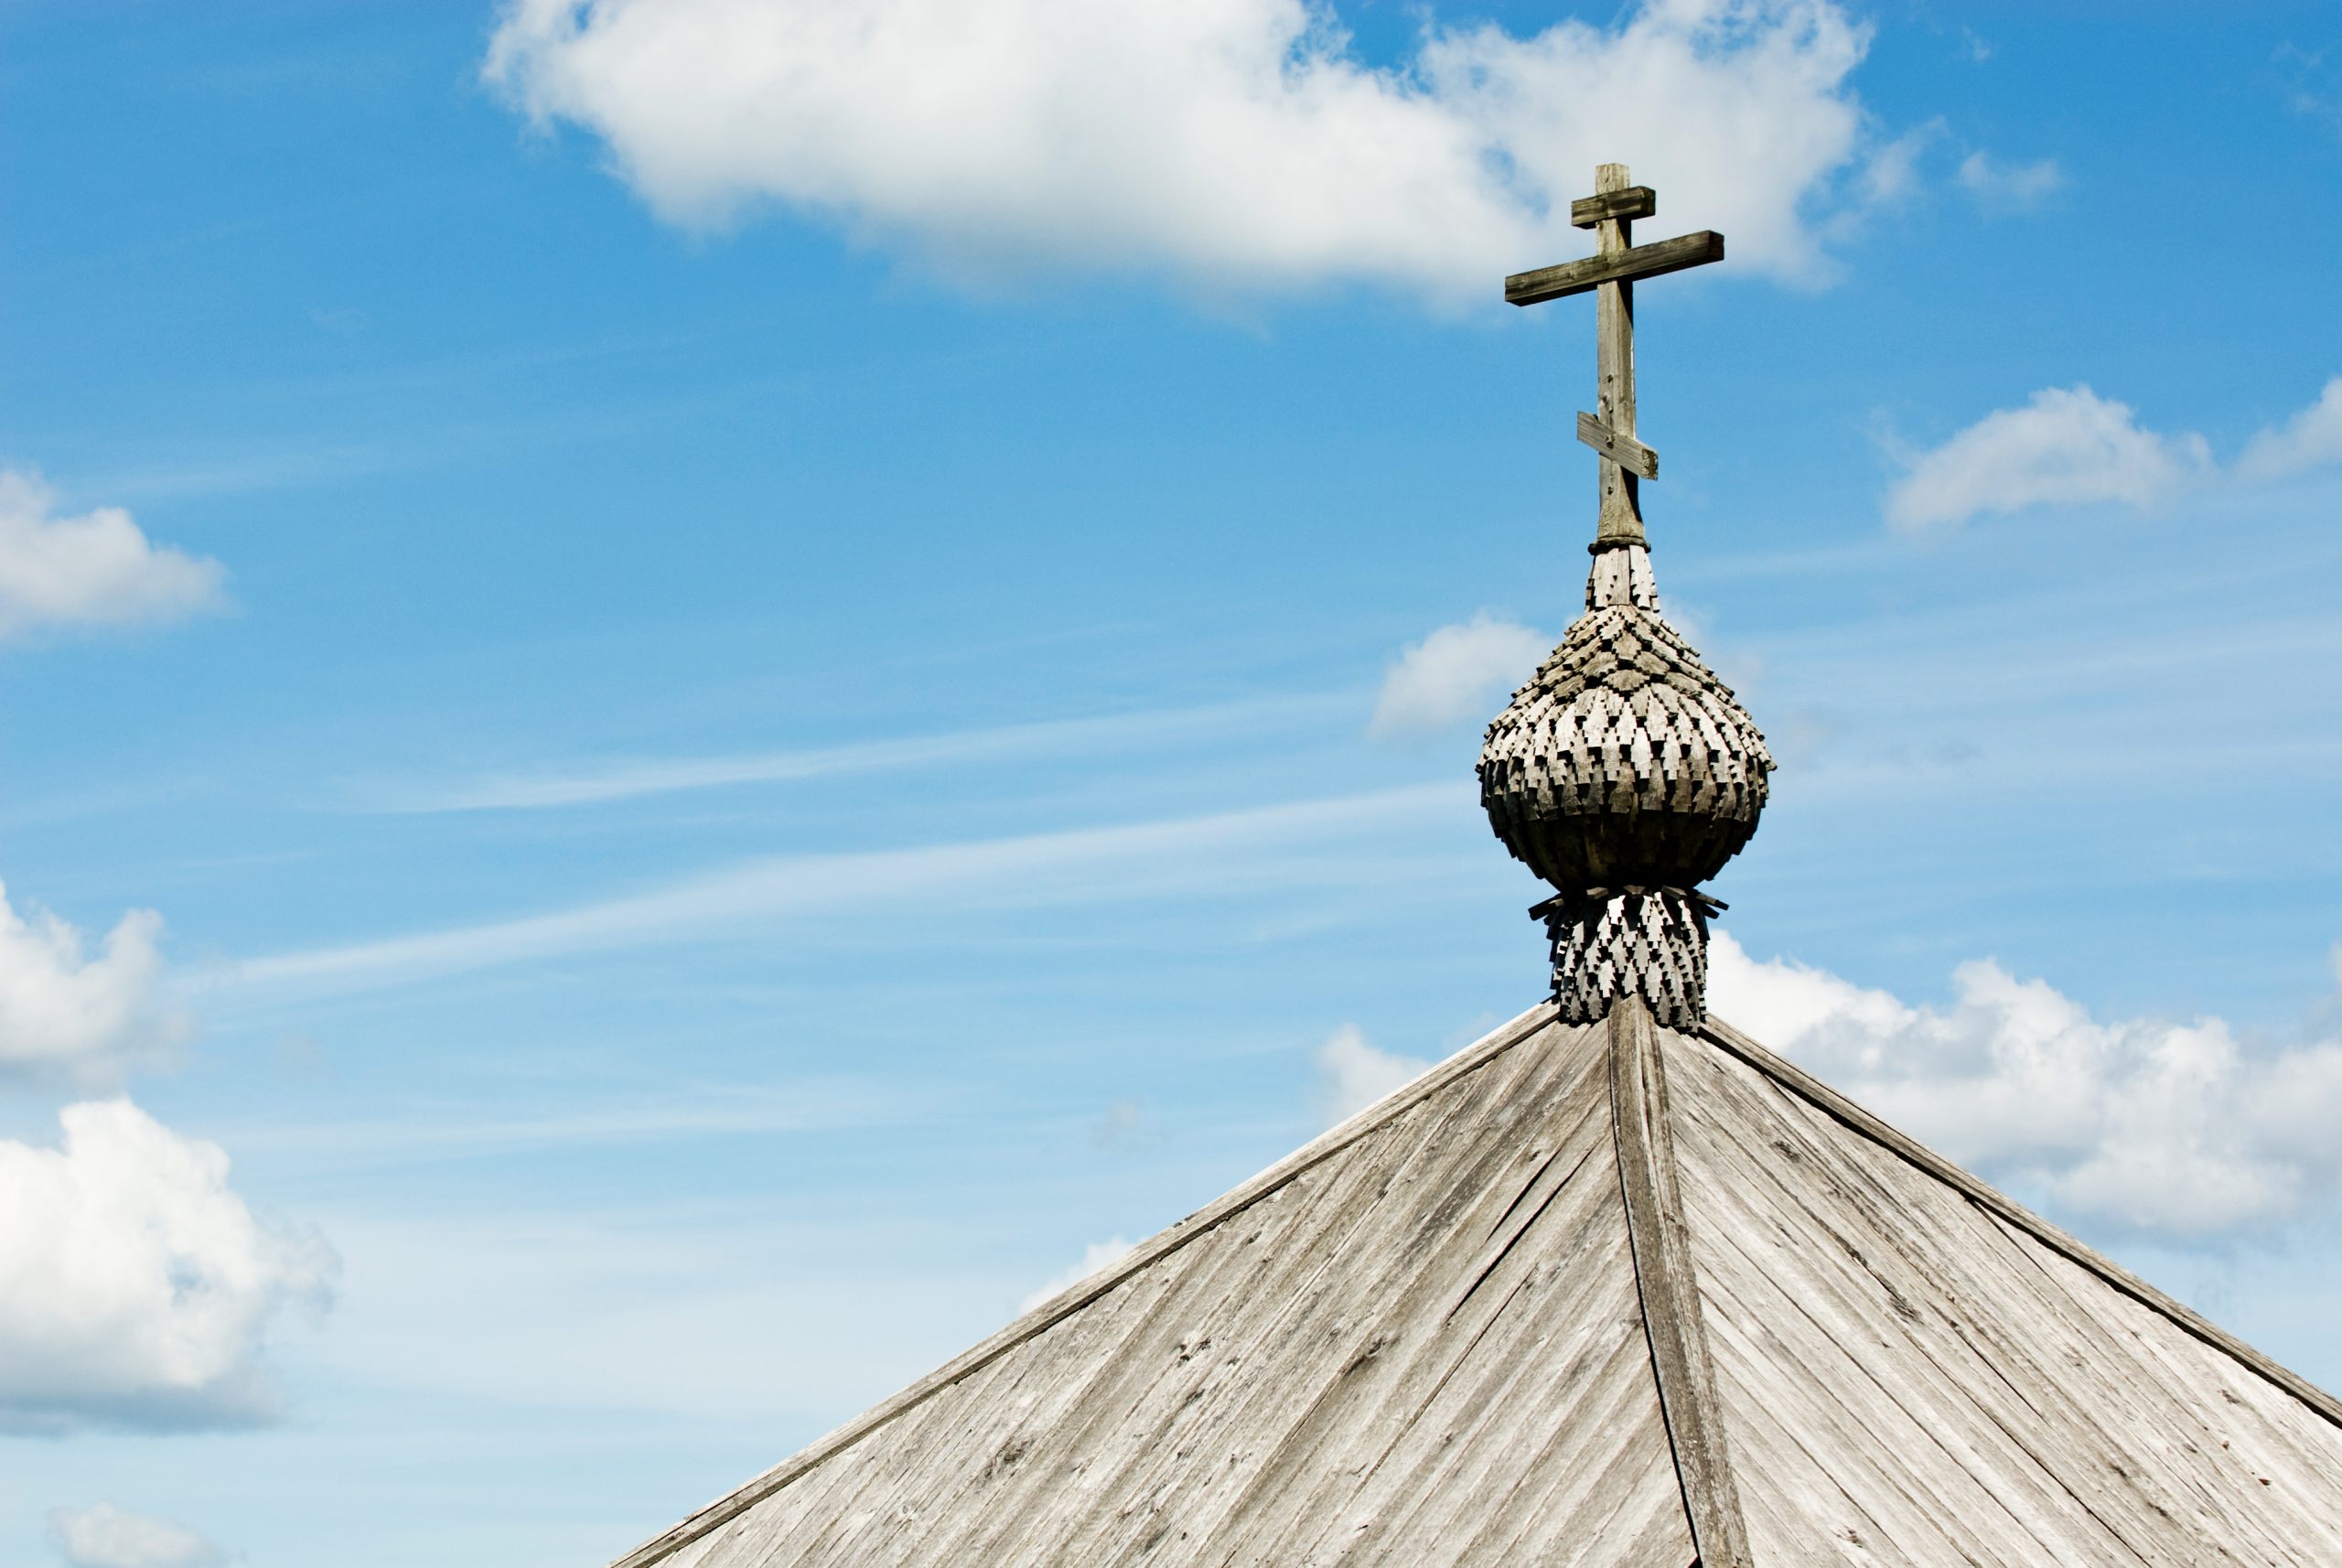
{"points": [[1582, 1294]]}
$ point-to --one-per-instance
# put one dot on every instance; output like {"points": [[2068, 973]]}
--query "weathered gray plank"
{"points": [[1835, 1402], [1327, 1434], [1668, 1285], [1898, 1360], [1217, 1330], [2273, 1440], [1269, 1391], [1358, 1365], [1619, 508], [1623, 450], [1639, 261], [1610, 205], [732, 1503], [1537, 1332], [1805, 1085]]}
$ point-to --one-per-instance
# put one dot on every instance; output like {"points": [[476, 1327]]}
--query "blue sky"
{"points": [[692, 695]]}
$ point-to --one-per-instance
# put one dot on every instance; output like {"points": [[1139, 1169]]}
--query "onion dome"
{"points": [[1624, 762]]}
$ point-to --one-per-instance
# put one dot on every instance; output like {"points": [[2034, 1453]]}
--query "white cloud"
{"points": [[104, 1536], [1353, 1074], [1098, 1256], [2172, 1128], [135, 1286], [96, 569], [2068, 446], [2311, 439], [1456, 674], [2010, 187], [1231, 143], [66, 1014]]}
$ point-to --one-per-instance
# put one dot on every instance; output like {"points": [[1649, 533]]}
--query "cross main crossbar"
{"points": [[1617, 266]]}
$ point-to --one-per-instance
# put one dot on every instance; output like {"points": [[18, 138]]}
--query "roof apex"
{"points": [[1625, 1296]]}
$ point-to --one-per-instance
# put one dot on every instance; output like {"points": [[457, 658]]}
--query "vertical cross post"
{"points": [[1621, 517], [1610, 274]]}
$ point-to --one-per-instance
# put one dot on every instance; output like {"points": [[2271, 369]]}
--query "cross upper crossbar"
{"points": [[1611, 271], [1635, 202]]}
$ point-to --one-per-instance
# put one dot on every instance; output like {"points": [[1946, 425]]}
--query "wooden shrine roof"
{"points": [[1422, 1340]]}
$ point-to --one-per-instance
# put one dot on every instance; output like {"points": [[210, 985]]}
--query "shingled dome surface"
{"points": [[1624, 759], [1446, 1333]]}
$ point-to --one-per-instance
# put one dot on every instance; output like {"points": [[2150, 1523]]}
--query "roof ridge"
{"points": [[1993, 1201], [1667, 1287], [1327, 1144]]}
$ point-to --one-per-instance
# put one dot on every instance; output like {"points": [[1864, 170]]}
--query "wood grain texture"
{"points": [[1618, 515], [1639, 261], [1609, 206], [1797, 1081], [1668, 1284], [1911, 1378], [1080, 1296], [1623, 450], [1420, 1344]]}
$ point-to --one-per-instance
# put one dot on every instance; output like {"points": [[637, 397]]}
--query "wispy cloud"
{"points": [[104, 1536], [2066, 447], [1098, 1256], [431, 1136], [2311, 439], [2070, 446], [1181, 856], [2010, 187], [1457, 674], [1353, 1074], [1238, 143], [633, 778], [2176, 1128]]}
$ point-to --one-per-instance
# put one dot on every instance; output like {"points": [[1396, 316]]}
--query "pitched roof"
{"points": [[1585, 1294]]}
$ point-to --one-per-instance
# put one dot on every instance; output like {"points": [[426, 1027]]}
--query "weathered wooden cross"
{"points": [[1610, 212]]}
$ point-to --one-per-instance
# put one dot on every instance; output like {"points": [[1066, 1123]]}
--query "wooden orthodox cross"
{"points": [[1610, 212]]}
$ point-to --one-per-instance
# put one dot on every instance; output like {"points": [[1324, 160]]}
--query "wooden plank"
{"points": [[1869, 1375], [1623, 450], [1092, 1438], [1446, 1355], [1292, 1358], [2290, 1460], [1829, 1100], [1884, 1337], [1304, 1439], [1619, 512], [1638, 262], [1672, 1314], [1609, 206], [1037, 1322], [1032, 1445]]}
